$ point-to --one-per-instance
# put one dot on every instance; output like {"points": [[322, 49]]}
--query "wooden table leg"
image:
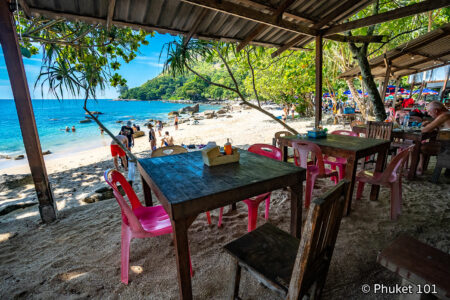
{"points": [[350, 174], [147, 193], [284, 151], [415, 156], [180, 228], [296, 209], [379, 167]]}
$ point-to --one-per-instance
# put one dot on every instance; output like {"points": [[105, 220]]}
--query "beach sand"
{"points": [[78, 256]]}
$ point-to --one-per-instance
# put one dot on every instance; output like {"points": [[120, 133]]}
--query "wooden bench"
{"points": [[289, 266], [420, 264]]}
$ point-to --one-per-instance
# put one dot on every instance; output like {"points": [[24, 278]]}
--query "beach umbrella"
{"points": [[426, 92], [391, 89], [405, 92], [328, 95]]}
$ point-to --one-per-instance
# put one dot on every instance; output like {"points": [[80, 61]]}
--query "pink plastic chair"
{"points": [[138, 221], [391, 177], [253, 203], [339, 162], [302, 149]]}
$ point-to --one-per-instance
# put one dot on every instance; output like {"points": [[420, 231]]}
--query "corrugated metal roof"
{"points": [[426, 52], [179, 16]]}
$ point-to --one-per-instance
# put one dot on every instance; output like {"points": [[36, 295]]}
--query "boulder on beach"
{"points": [[14, 181], [47, 152], [5, 156], [172, 114], [221, 111], [138, 134], [18, 157], [209, 114], [189, 109]]}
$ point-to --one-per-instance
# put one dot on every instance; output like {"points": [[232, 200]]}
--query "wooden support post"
{"points": [[444, 86], [397, 83], [412, 86], [318, 95], [386, 78], [19, 86]]}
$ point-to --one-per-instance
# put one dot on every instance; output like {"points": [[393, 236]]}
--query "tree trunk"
{"points": [[361, 103], [374, 95]]}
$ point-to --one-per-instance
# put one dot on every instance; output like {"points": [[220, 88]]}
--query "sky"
{"points": [[144, 67]]}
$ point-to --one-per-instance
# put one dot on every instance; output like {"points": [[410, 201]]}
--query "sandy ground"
{"points": [[78, 256]]}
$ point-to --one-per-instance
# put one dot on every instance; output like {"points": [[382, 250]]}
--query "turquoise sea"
{"points": [[52, 116]]}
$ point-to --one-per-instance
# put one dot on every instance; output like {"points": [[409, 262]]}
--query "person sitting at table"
{"points": [[441, 116]]}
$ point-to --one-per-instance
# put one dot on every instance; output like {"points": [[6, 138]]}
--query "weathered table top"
{"points": [[185, 186], [418, 263], [342, 142]]}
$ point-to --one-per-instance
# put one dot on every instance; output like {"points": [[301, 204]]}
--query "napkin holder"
{"points": [[213, 156]]}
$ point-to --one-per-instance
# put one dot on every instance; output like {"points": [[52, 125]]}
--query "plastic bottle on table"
{"points": [[406, 121], [227, 148]]}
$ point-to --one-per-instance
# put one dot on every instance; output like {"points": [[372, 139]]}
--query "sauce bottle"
{"points": [[227, 148]]}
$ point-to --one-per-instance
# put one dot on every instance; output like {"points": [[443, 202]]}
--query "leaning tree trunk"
{"points": [[361, 103], [374, 95]]}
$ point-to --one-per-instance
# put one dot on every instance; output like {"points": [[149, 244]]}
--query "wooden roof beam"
{"points": [[288, 14], [422, 61], [255, 32], [398, 13], [344, 6], [253, 15], [195, 26], [288, 45], [25, 8], [111, 6]]}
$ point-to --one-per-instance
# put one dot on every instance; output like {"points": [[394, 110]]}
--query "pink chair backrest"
{"points": [[266, 150], [396, 164], [112, 177], [345, 132], [128, 216], [302, 149]]}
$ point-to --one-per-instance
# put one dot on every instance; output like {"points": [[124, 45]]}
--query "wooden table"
{"points": [[186, 187], [420, 264], [416, 136], [352, 148]]}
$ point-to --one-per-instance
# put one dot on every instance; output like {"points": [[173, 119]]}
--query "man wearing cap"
{"points": [[128, 132]]}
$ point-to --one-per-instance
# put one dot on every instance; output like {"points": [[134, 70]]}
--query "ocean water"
{"points": [[52, 116]]}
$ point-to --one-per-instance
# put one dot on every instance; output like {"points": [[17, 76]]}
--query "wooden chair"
{"points": [[289, 266], [443, 158], [278, 135], [419, 264], [169, 150], [379, 130]]}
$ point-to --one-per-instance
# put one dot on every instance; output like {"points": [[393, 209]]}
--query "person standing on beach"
{"points": [[176, 122], [285, 113], [128, 132], [293, 110], [117, 151], [152, 137], [159, 126]]}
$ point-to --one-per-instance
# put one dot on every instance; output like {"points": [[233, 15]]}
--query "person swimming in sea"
{"points": [[73, 129], [67, 129]]}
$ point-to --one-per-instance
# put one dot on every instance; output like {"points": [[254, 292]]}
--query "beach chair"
{"points": [[168, 150], [390, 177], [339, 162], [138, 221], [291, 267], [313, 171], [253, 203]]}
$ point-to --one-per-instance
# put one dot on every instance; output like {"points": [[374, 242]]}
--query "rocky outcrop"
{"points": [[14, 181], [221, 111], [209, 114], [19, 157], [102, 193], [189, 109], [172, 114], [47, 152], [138, 134]]}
